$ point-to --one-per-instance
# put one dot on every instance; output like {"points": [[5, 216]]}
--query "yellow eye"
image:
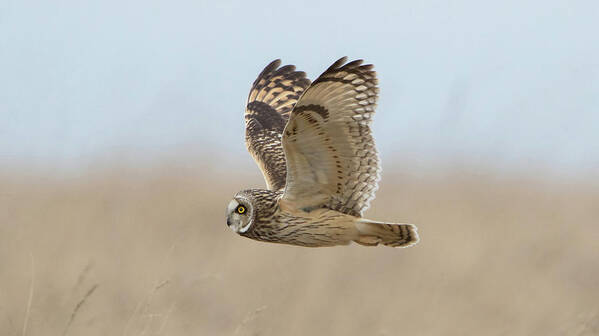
{"points": [[241, 209]]}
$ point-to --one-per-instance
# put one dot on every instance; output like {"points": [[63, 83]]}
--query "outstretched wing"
{"points": [[331, 156], [271, 99]]}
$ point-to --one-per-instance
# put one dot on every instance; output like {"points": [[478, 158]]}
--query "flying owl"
{"points": [[314, 146]]}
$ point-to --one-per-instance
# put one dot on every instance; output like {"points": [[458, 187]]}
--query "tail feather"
{"points": [[389, 234]]}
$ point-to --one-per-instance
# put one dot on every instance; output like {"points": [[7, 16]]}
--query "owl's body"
{"points": [[321, 227], [314, 146]]}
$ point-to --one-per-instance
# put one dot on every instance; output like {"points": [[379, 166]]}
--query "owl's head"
{"points": [[251, 207], [240, 214]]}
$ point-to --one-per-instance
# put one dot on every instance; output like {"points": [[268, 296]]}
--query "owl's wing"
{"points": [[271, 99], [331, 156]]}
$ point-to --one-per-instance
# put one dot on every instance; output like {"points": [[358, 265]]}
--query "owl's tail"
{"points": [[389, 234]]}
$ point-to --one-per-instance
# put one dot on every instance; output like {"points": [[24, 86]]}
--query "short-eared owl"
{"points": [[314, 146]]}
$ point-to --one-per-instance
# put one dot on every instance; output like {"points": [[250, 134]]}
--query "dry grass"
{"points": [[122, 252]]}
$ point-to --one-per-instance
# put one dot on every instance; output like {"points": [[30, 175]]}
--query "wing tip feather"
{"points": [[271, 67]]}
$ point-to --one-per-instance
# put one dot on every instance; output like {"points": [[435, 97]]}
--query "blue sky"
{"points": [[506, 83]]}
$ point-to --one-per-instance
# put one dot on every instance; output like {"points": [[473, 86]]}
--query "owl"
{"points": [[314, 146]]}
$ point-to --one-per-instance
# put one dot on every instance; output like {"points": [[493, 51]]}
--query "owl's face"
{"points": [[240, 214]]}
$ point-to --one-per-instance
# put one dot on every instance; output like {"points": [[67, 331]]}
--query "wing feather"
{"points": [[331, 156], [271, 99]]}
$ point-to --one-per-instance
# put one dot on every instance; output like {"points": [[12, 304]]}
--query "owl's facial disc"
{"points": [[239, 216]]}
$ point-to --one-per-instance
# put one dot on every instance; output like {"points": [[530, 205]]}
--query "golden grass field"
{"points": [[118, 251]]}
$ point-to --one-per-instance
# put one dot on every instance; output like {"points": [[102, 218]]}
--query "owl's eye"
{"points": [[241, 209]]}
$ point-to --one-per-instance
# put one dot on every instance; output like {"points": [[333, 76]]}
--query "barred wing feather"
{"points": [[330, 153], [271, 99]]}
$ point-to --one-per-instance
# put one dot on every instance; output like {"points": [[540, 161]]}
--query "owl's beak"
{"points": [[228, 222]]}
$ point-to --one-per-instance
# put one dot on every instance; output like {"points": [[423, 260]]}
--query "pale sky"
{"points": [[507, 83]]}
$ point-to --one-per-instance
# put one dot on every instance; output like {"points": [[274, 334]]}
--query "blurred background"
{"points": [[121, 142]]}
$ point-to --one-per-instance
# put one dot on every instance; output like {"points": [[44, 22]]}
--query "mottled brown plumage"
{"points": [[271, 99], [314, 146]]}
